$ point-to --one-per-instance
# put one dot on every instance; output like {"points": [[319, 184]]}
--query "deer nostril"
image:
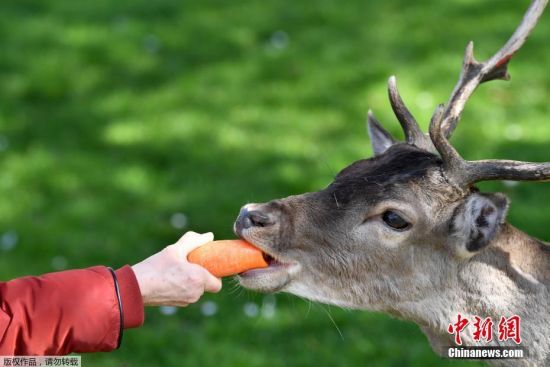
{"points": [[259, 219], [253, 218], [246, 222]]}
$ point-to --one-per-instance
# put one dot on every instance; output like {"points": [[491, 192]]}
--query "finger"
{"points": [[187, 236], [196, 241], [191, 241], [212, 284], [207, 281], [178, 247]]}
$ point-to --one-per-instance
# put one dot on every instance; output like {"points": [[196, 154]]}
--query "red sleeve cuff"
{"points": [[130, 295]]}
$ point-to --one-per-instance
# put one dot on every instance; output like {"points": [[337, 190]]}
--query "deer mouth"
{"points": [[272, 278], [272, 265]]}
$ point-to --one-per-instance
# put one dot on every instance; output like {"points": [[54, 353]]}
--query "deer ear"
{"points": [[380, 138], [476, 222]]}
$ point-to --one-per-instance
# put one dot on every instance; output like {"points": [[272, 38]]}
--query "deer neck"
{"points": [[502, 279], [510, 277]]}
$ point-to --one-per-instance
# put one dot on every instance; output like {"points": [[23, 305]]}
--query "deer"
{"points": [[406, 232]]}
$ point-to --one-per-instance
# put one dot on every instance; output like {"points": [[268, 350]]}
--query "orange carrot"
{"points": [[227, 257]]}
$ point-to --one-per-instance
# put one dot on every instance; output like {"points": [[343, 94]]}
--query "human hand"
{"points": [[168, 279]]}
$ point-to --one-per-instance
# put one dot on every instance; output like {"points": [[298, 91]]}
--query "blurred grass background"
{"points": [[125, 123]]}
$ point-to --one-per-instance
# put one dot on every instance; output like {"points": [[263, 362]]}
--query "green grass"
{"points": [[114, 115]]}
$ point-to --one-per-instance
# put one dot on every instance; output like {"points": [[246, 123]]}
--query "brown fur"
{"points": [[336, 249]]}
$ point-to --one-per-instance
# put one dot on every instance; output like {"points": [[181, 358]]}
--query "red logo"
{"points": [[457, 328], [508, 328], [483, 329]]}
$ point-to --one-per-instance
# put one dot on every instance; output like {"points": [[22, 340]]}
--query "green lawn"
{"points": [[117, 115]]}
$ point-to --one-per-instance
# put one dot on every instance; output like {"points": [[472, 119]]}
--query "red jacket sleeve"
{"points": [[70, 311]]}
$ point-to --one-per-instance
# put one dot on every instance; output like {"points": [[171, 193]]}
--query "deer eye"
{"points": [[394, 220]]}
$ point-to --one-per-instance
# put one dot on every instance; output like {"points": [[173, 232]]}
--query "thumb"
{"points": [[191, 240], [211, 283]]}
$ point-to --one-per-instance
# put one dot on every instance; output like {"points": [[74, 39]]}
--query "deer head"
{"points": [[397, 227]]}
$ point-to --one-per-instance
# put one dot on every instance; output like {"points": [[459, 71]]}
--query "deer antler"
{"points": [[446, 117], [406, 119], [413, 133]]}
